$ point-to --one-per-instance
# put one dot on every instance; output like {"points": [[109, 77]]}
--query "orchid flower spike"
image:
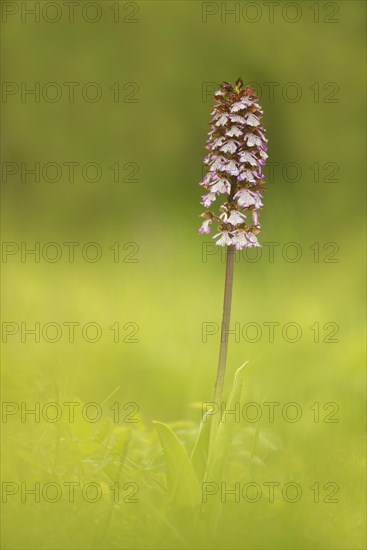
{"points": [[237, 154]]}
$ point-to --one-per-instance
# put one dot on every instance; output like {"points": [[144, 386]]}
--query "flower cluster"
{"points": [[237, 153]]}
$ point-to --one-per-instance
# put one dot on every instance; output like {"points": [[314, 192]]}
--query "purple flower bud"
{"points": [[205, 227]]}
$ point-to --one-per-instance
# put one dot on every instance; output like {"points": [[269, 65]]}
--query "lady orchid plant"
{"points": [[237, 154]]}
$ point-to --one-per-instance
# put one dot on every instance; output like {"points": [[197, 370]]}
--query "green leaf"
{"points": [[182, 484], [218, 453], [199, 455], [118, 441], [104, 430], [223, 438]]}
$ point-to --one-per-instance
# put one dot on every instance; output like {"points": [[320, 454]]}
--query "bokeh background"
{"points": [[168, 280]]}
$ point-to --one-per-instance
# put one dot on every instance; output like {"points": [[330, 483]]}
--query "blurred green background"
{"points": [[173, 58]]}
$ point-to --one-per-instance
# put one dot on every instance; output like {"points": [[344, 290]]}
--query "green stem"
{"points": [[225, 325]]}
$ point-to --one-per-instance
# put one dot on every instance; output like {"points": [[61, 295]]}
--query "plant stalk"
{"points": [[228, 286]]}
